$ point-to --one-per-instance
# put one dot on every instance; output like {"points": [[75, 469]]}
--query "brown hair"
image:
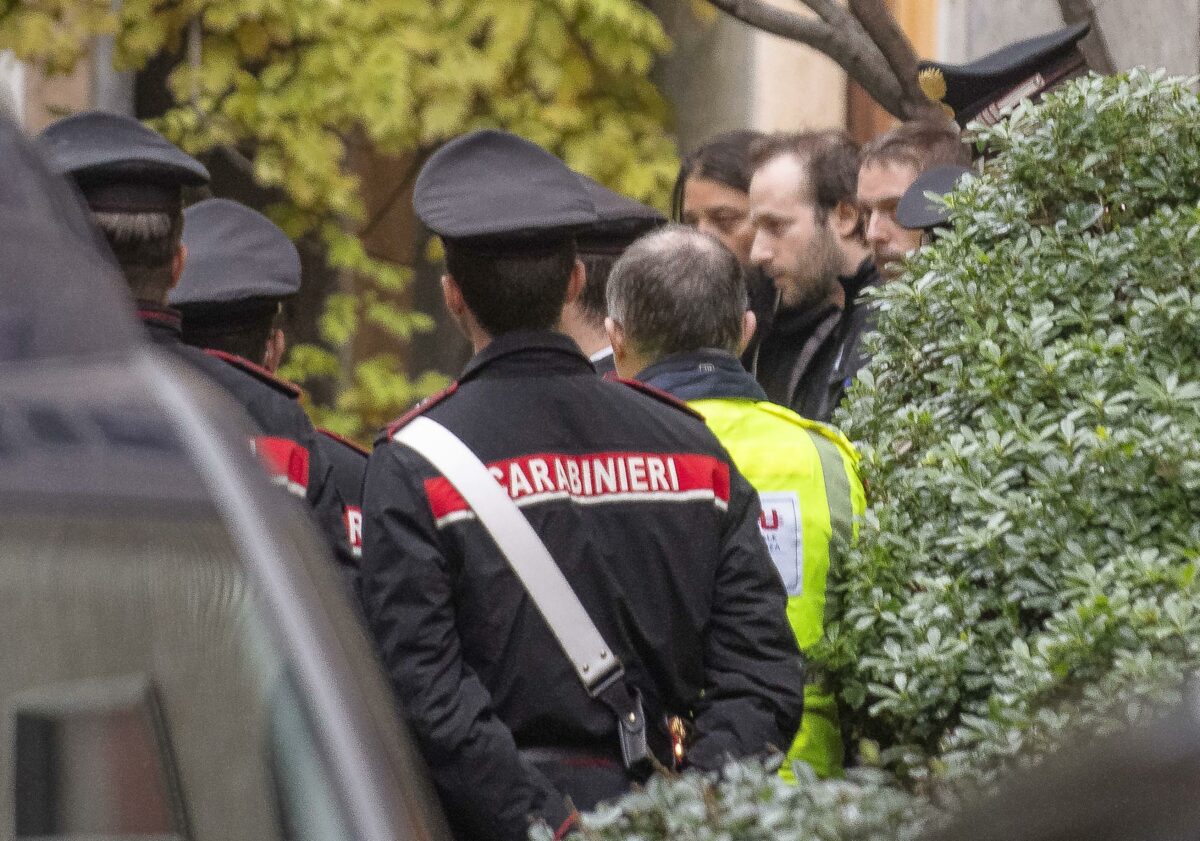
{"points": [[830, 159], [920, 144]]}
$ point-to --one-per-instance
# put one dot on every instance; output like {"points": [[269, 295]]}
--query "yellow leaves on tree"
{"points": [[285, 83]]}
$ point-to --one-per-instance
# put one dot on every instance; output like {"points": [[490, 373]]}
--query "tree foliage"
{"points": [[285, 85]]}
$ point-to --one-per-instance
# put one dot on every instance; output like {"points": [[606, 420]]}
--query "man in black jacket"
{"points": [[240, 269], [808, 239], [651, 524]]}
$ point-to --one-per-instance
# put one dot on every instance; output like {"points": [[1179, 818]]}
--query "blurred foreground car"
{"points": [[1137, 785], [177, 658]]}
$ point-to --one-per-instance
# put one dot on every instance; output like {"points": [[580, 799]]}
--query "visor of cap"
{"points": [[96, 146], [916, 211], [234, 254], [493, 185]]}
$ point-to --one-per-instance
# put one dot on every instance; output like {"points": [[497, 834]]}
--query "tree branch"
{"points": [[858, 56], [1094, 47], [400, 188], [883, 30]]}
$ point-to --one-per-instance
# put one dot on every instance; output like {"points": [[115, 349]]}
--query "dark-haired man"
{"points": [[638, 519], [620, 220], [889, 165], [808, 239], [132, 180], [240, 269]]}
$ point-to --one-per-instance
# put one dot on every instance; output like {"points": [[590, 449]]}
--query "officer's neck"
{"points": [[481, 338], [590, 337]]}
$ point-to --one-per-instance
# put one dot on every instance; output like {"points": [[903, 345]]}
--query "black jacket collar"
{"points": [[707, 374], [163, 324], [867, 275], [525, 353]]}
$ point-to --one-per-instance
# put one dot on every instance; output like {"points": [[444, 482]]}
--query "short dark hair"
{"points": [[509, 288], [724, 159], [241, 333], [593, 301], [830, 160], [678, 290], [145, 245], [920, 144]]}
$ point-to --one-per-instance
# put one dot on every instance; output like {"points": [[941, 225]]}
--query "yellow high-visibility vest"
{"points": [[806, 474]]}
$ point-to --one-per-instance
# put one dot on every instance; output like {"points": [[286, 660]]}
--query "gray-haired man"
{"points": [[677, 320]]}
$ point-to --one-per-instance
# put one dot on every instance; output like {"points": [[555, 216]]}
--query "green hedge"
{"points": [[1029, 427]]}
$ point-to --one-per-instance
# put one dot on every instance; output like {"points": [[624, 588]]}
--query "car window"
{"points": [[141, 691]]}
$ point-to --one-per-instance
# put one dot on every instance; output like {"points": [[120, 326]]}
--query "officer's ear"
{"points": [[749, 325], [276, 347], [177, 264], [576, 283], [453, 296]]}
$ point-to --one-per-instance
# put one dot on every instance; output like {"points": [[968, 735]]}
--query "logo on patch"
{"points": [[354, 528], [782, 530]]}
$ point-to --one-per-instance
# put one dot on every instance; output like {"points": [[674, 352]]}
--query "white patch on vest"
{"points": [[781, 529]]}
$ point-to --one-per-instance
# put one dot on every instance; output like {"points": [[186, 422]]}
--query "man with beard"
{"points": [[890, 165], [809, 240]]}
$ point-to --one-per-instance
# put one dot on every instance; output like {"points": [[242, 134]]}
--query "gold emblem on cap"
{"points": [[933, 85]]}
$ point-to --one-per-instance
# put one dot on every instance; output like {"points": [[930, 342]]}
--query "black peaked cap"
{"points": [[915, 210], [620, 220], [234, 254], [494, 188], [971, 87], [118, 163]]}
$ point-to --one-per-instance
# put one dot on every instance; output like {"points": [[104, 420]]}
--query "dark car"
{"points": [[177, 657]]}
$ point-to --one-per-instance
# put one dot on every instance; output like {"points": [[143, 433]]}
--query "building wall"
{"points": [[723, 75], [1153, 33]]}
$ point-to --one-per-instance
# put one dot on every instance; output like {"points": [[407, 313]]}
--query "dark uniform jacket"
{"points": [[655, 530], [347, 466], [334, 488], [289, 444]]}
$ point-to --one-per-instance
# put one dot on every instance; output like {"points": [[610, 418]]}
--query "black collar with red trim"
{"points": [[259, 373], [528, 353], [163, 323]]}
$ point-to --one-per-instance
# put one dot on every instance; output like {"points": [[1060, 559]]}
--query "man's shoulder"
{"points": [[341, 445], [416, 411], [628, 388], [821, 433], [258, 373], [274, 410]]}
